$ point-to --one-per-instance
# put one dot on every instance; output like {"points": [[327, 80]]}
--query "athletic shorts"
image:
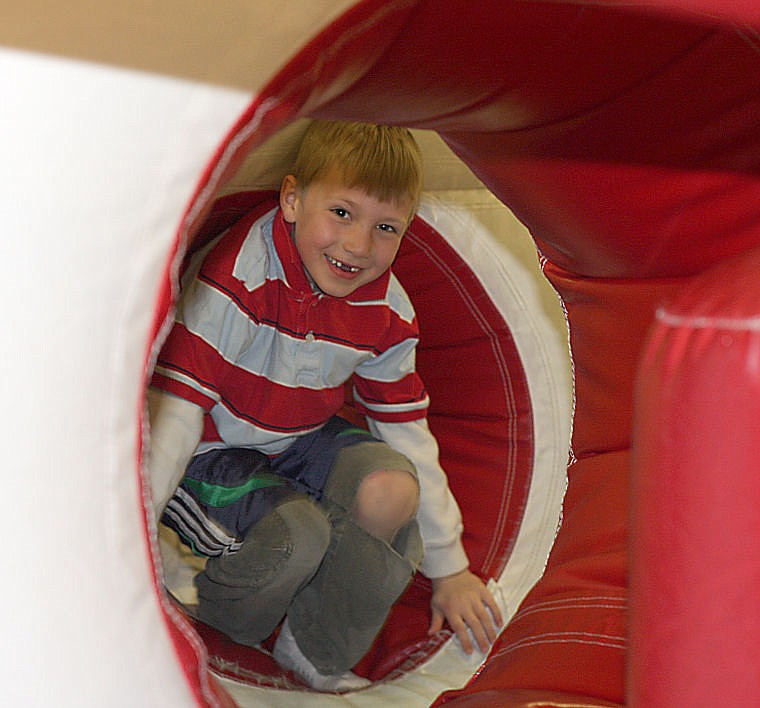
{"points": [[227, 491]]}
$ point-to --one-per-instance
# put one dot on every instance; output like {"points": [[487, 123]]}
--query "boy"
{"points": [[301, 515]]}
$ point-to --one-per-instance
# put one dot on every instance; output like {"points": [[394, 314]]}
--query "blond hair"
{"points": [[383, 160]]}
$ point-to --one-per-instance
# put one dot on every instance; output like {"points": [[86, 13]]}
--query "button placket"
{"points": [[309, 350]]}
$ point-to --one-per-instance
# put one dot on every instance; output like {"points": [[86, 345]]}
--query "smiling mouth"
{"points": [[340, 265]]}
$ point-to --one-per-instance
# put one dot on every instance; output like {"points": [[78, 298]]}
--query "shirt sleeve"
{"points": [[439, 517], [387, 387], [175, 430], [189, 361], [209, 329]]}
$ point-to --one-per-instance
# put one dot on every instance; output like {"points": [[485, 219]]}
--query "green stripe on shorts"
{"points": [[218, 495], [354, 431]]}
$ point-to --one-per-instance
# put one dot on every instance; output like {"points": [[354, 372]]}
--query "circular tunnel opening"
{"points": [[493, 363]]}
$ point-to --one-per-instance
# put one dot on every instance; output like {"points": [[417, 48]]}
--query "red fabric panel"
{"points": [[695, 630], [537, 78], [608, 322], [672, 158], [480, 408], [747, 11], [569, 634]]}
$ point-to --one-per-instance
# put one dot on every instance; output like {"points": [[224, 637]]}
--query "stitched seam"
{"points": [[751, 324], [588, 638]]}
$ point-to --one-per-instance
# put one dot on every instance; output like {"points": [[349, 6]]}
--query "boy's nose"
{"points": [[358, 242]]}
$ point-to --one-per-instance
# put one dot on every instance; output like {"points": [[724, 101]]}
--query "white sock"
{"points": [[288, 654]]}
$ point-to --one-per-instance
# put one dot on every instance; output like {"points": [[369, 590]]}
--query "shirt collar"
{"points": [[296, 275]]}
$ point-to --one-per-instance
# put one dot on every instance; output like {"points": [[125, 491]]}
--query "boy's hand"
{"points": [[464, 601]]}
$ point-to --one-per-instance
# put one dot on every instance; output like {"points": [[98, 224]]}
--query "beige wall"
{"points": [[237, 43]]}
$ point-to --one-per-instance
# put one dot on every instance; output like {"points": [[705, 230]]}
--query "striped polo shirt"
{"points": [[267, 357]]}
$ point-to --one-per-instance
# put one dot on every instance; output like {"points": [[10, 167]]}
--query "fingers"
{"points": [[476, 623], [459, 625], [436, 624], [495, 620], [483, 628], [470, 609], [498, 620]]}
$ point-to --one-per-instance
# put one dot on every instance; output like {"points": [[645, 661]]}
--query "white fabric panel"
{"points": [[97, 168]]}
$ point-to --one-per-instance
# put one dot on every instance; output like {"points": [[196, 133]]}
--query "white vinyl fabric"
{"points": [[97, 168]]}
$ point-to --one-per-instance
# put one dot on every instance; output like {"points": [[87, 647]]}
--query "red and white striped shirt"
{"points": [[267, 357]]}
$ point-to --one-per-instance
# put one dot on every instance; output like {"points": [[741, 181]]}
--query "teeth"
{"points": [[343, 266]]}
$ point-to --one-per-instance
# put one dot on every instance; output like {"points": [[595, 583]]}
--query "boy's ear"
{"points": [[289, 195]]}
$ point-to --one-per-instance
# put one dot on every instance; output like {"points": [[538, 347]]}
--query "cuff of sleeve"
{"points": [[444, 560]]}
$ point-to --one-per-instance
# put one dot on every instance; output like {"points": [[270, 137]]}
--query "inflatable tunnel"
{"points": [[584, 266]]}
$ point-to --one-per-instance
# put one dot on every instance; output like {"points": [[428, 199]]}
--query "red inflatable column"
{"points": [[695, 531]]}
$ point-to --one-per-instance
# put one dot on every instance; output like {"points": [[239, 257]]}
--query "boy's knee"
{"points": [[386, 501], [289, 541]]}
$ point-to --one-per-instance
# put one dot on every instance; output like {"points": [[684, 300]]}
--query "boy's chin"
{"points": [[338, 291]]}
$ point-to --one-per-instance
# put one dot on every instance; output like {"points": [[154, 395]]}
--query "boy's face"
{"points": [[346, 238]]}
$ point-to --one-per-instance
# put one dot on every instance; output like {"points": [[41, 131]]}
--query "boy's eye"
{"points": [[387, 228], [340, 212]]}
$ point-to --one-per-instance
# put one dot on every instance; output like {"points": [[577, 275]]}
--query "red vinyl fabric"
{"points": [[570, 633], [695, 628], [627, 140]]}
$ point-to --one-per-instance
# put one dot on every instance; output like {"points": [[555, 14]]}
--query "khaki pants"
{"points": [[309, 560]]}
